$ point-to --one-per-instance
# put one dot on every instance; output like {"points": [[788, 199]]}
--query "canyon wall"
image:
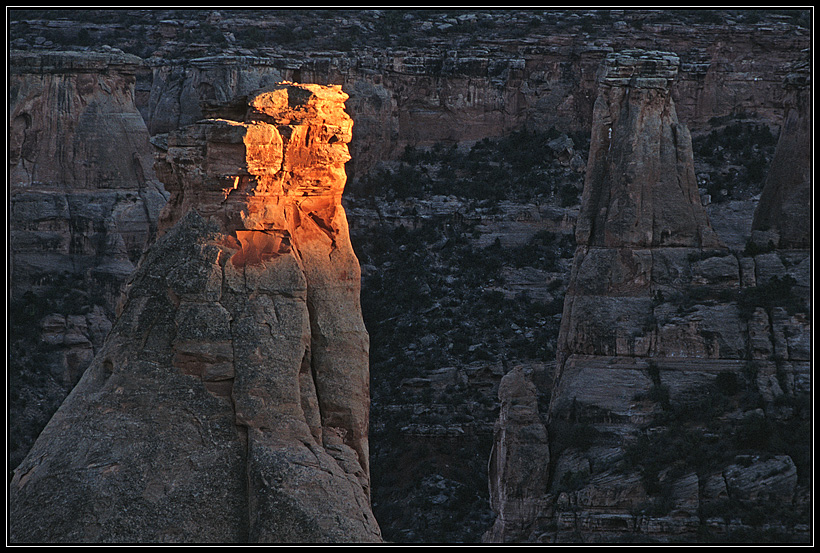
{"points": [[229, 402], [785, 203], [80, 166], [445, 93], [670, 346], [456, 81], [83, 204]]}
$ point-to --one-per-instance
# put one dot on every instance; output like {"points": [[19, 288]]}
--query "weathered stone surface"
{"points": [[230, 401], [784, 212], [483, 86], [740, 70], [83, 203], [519, 459], [658, 316], [640, 189], [641, 222], [82, 187], [753, 477]]}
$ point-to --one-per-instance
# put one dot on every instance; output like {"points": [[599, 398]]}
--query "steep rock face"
{"points": [[520, 458], [420, 96], [230, 400], [662, 328], [784, 212], [180, 94], [83, 204], [82, 186], [640, 219], [641, 190]]}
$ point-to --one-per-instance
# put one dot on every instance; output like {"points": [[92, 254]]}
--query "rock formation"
{"points": [[83, 204], [662, 327], [415, 78], [783, 215], [640, 215], [81, 181], [488, 86], [641, 189], [230, 400], [519, 458]]}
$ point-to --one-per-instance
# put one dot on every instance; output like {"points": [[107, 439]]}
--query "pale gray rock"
{"points": [[520, 459]]}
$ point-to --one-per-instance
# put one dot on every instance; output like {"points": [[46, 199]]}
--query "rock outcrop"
{"points": [[783, 216], [230, 400], [486, 86], [83, 204], [425, 78], [82, 186], [662, 329], [520, 458], [641, 188]]}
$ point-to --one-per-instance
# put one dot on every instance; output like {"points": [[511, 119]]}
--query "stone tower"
{"points": [[670, 346], [230, 400]]}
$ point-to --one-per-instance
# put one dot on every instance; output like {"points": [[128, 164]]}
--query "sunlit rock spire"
{"points": [[230, 401]]}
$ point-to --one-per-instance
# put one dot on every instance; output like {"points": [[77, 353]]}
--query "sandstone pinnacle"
{"points": [[640, 189], [644, 240], [230, 400]]}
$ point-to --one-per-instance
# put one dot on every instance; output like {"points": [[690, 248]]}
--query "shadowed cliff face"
{"points": [[455, 90], [662, 330], [641, 189], [784, 213], [81, 181], [230, 400], [418, 96]]}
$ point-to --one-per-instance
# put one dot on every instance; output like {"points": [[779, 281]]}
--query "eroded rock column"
{"points": [[670, 345], [640, 220], [230, 402], [783, 216]]}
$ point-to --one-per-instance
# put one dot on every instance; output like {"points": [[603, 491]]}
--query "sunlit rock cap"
{"points": [[289, 140]]}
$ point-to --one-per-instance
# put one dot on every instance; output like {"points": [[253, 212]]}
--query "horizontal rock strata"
{"points": [[83, 203], [658, 317]]}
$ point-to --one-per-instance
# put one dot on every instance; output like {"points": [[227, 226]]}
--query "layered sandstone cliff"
{"points": [[83, 204], [82, 186], [77, 138], [670, 349], [455, 84], [488, 85], [230, 400]]}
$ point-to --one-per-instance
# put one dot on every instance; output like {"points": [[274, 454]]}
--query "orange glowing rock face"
{"points": [[250, 301], [259, 246], [271, 184], [276, 175]]}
